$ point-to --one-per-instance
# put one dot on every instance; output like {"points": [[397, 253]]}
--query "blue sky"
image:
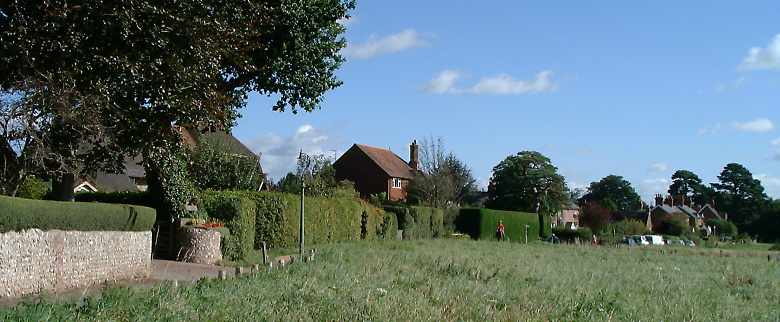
{"points": [[637, 89]]}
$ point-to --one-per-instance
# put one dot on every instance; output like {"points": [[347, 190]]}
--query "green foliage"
{"points": [[169, 182], [389, 226], [675, 225], [614, 193], [741, 196], [443, 180], [128, 198], [452, 280], [482, 223], [216, 166], [33, 188], [238, 215], [722, 227], [419, 222], [568, 235], [277, 217], [522, 181], [450, 219], [627, 227], [19, 214], [319, 175]]}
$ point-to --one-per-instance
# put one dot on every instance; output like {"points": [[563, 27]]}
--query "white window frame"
{"points": [[396, 183]]}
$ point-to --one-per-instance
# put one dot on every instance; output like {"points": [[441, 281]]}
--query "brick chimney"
{"points": [[414, 152], [659, 200]]}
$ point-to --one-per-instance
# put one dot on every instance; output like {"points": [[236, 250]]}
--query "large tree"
{"points": [[741, 195], [443, 180], [112, 78], [527, 181], [614, 193]]}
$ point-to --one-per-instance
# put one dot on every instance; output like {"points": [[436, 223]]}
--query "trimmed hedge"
{"points": [[238, 215], [127, 198], [482, 224], [568, 235], [419, 222], [19, 214], [277, 216]]}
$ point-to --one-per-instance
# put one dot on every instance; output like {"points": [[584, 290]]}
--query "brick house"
{"points": [[376, 170], [568, 217]]}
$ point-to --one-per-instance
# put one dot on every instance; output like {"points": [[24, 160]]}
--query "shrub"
{"points": [[675, 224], [722, 227], [277, 217], [568, 235], [419, 222], [19, 214], [238, 214], [450, 217], [389, 226], [33, 188], [482, 223], [127, 198]]}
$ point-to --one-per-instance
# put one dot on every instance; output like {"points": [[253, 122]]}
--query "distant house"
{"points": [[667, 207], [376, 170], [133, 178], [568, 217], [709, 212]]}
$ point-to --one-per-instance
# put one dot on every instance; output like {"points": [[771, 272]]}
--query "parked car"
{"points": [[675, 242], [654, 240], [689, 243], [639, 240]]}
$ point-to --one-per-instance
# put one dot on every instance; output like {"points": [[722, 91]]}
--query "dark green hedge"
{"points": [[568, 235], [238, 215], [419, 222], [482, 224], [277, 218], [127, 198], [20, 214]]}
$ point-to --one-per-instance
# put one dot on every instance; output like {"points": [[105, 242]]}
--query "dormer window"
{"points": [[396, 183]]}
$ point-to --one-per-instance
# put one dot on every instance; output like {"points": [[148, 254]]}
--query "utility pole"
{"points": [[526, 234], [303, 193]]}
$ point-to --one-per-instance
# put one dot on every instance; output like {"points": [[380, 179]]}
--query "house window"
{"points": [[396, 183]]}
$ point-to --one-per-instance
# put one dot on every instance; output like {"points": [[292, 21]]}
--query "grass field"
{"points": [[446, 280]]}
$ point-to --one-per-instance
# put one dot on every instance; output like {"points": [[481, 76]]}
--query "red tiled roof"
{"points": [[391, 163]]}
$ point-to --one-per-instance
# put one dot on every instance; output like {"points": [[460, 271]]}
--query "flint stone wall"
{"points": [[201, 246], [33, 261]]}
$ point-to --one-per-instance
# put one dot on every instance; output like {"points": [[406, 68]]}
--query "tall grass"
{"points": [[445, 280]]}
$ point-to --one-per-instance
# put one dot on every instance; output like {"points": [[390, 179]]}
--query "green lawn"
{"points": [[446, 280]]}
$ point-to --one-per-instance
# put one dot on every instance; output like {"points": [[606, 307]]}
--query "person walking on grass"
{"points": [[500, 230]]}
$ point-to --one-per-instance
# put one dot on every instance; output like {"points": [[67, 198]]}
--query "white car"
{"points": [[654, 240], [639, 240]]}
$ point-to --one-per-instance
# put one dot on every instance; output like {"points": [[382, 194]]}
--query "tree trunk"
{"points": [[62, 188]]}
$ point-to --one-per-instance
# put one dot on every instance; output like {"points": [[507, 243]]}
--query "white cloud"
{"points": [[506, 85], [710, 130], [659, 167], [390, 44], [502, 84], [776, 142], [759, 125], [734, 85], [443, 83], [763, 58], [279, 154], [771, 183], [648, 188]]}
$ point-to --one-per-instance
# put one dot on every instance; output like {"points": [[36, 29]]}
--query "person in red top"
{"points": [[500, 234]]}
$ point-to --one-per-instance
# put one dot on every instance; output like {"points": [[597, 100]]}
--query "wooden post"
{"points": [[265, 254], [303, 192]]}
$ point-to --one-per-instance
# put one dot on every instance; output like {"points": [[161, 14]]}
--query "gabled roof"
{"points": [[710, 208], [669, 209], [388, 161], [689, 211]]}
